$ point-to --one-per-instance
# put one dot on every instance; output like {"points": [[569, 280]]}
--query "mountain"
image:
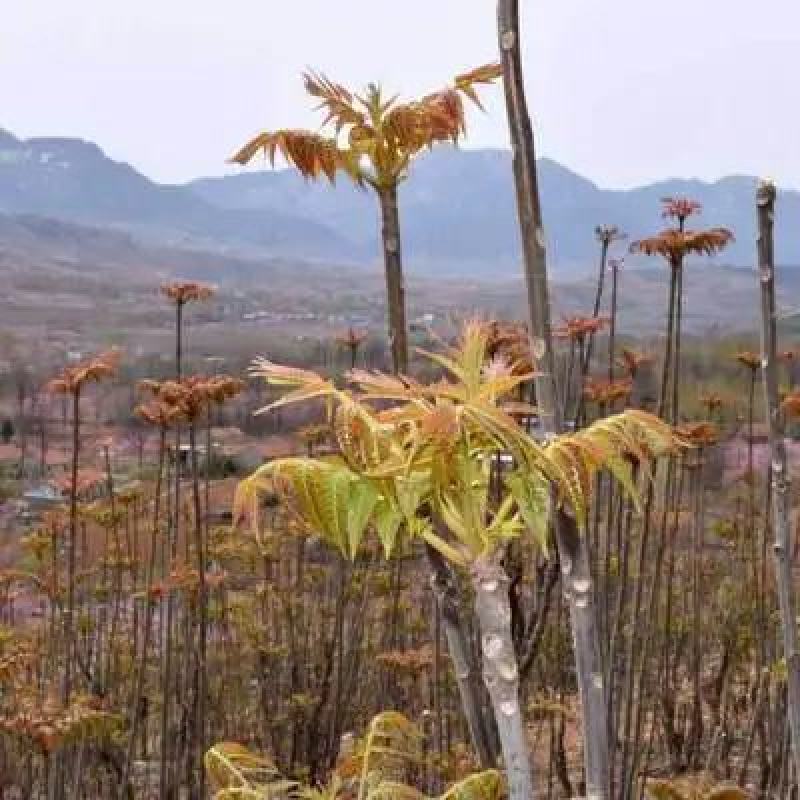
{"points": [[458, 211], [73, 180], [63, 276], [59, 252]]}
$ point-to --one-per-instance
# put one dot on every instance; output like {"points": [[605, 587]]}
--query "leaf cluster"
{"points": [[91, 370], [444, 462], [371, 137], [390, 746]]}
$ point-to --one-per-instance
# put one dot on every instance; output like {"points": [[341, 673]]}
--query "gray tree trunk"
{"points": [[781, 500], [446, 593], [500, 673], [572, 546], [69, 634], [612, 325], [598, 298], [395, 282], [579, 594]]}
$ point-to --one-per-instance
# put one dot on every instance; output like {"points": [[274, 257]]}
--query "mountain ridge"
{"points": [[73, 180], [458, 223], [458, 211]]}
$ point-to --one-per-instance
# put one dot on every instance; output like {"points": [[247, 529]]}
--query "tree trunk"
{"points": [[663, 398], [601, 278], [612, 329], [500, 673], [42, 409], [104, 679], [674, 416], [395, 284], [339, 637], [676, 356], [571, 545], [140, 672], [22, 423], [69, 634], [199, 733], [781, 501], [578, 591], [167, 666], [529, 211], [460, 654]]}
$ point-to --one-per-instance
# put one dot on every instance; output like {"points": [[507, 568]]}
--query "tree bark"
{"points": [[612, 326], [571, 545], [579, 594], [141, 668], [500, 673], [676, 368], [460, 654], [598, 298], [395, 284], [69, 634], [663, 398], [781, 501], [167, 665], [199, 732]]}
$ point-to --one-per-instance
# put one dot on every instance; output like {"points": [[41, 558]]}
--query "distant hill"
{"points": [[457, 210], [63, 274], [73, 180], [62, 251], [27, 240]]}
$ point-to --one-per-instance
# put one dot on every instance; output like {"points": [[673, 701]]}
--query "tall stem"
{"points": [[69, 633], [173, 547], [138, 691], [202, 600], [781, 502], [339, 614], [500, 673], [676, 367], [105, 676], [667, 369], [395, 283], [446, 593], [571, 545], [612, 331], [601, 278]]}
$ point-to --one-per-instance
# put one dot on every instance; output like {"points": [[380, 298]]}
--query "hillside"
{"points": [[458, 211], [73, 180], [78, 226], [63, 274]]}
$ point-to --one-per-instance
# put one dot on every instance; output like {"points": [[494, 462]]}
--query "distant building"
{"points": [[43, 496], [422, 323], [185, 456]]}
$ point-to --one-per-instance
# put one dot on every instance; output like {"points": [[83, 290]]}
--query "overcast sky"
{"points": [[623, 91]]}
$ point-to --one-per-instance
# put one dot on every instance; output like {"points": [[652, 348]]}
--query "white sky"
{"points": [[623, 91]]}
